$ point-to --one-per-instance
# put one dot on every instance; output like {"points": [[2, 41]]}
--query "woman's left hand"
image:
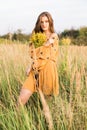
{"points": [[49, 42], [28, 71]]}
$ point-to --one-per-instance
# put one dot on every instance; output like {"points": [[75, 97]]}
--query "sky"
{"points": [[22, 14]]}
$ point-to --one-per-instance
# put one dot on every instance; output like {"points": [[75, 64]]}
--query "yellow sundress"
{"points": [[47, 57]]}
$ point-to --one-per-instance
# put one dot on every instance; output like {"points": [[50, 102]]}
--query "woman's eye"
{"points": [[44, 21]]}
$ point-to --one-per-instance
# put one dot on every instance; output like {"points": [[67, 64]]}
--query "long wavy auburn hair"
{"points": [[38, 23]]}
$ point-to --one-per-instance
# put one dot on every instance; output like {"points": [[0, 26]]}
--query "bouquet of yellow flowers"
{"points": [[38, 39]]}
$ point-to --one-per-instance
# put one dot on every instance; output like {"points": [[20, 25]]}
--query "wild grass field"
{"points": [[68, 110]]}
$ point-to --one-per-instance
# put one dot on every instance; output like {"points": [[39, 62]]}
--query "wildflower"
{"points": [[65, 41], [38, 39]]}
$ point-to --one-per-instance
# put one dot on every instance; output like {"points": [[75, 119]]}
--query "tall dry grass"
{"points": [[69, 109]]}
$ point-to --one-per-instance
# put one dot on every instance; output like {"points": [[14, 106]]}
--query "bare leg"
{"points": [[24, 96]]}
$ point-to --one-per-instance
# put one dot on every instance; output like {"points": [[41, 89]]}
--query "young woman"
{"points": [[46, 56]]}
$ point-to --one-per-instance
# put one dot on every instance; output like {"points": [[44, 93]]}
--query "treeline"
{"points": [[76, 36], [17, 36]]}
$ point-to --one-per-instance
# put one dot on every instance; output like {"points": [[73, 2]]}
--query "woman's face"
{"points": [[44, 23]]}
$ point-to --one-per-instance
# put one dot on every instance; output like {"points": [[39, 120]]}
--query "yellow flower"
{"points": [[65, 41], [38, 39]]}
